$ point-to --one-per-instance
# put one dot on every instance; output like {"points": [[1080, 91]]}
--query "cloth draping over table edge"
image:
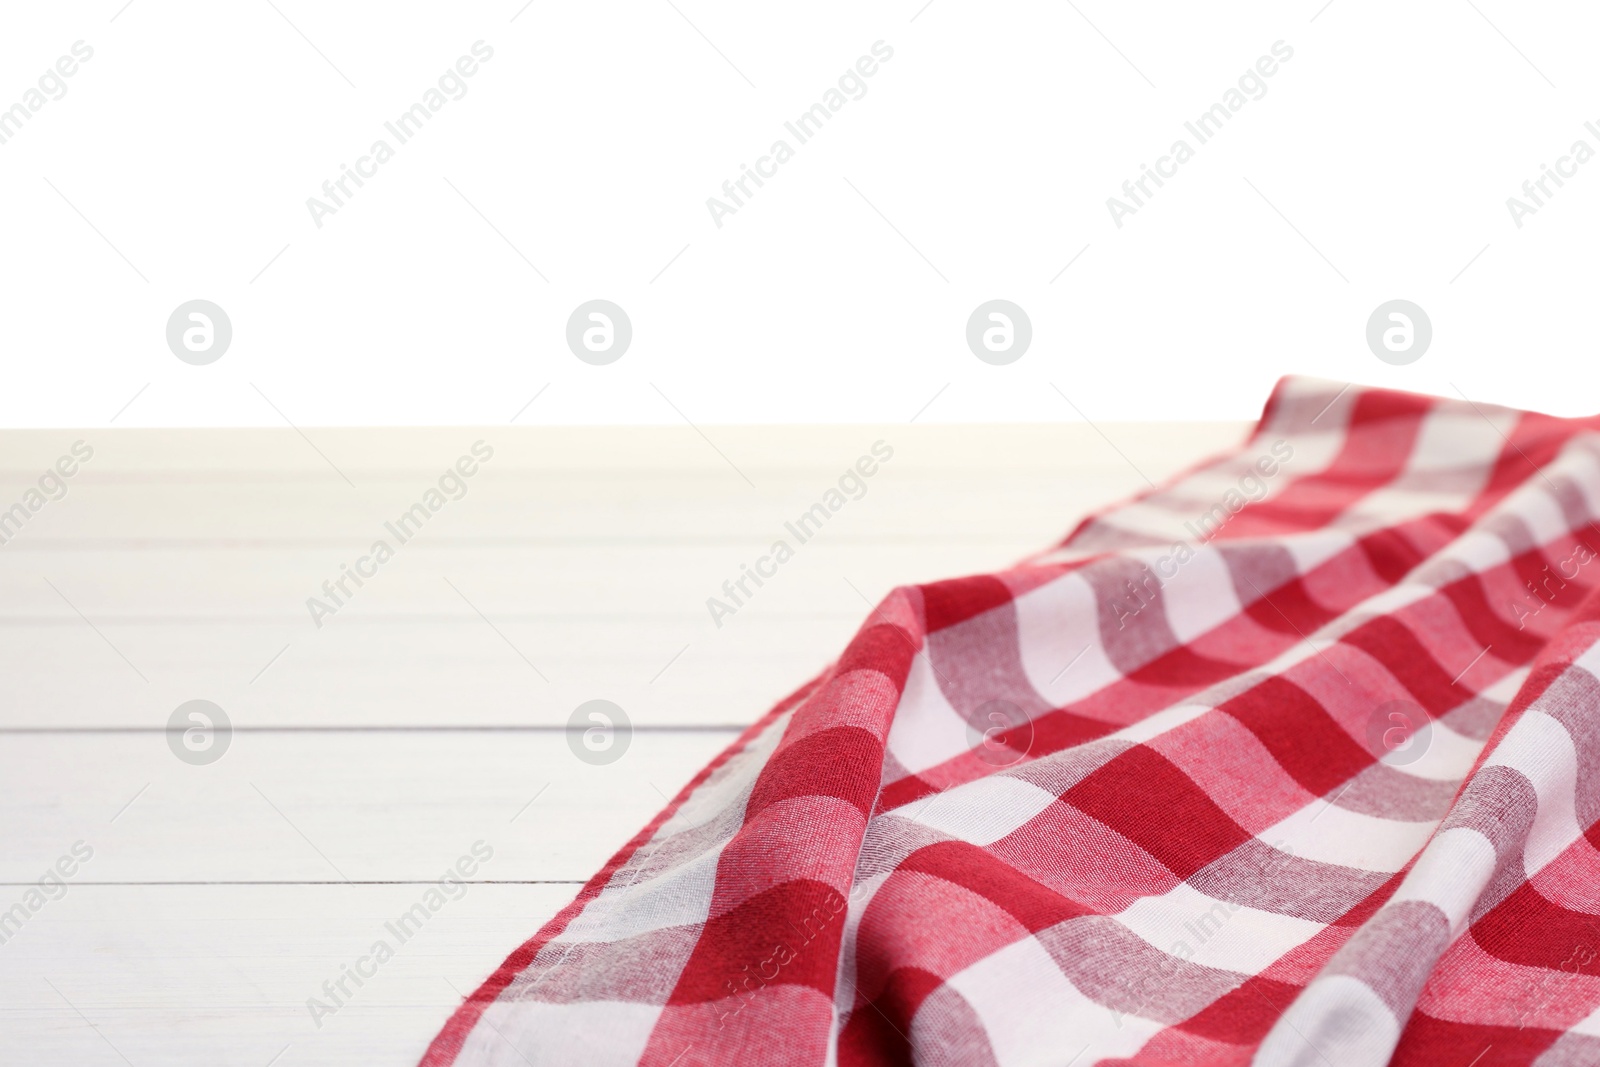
{"points": [[1144, 798]]}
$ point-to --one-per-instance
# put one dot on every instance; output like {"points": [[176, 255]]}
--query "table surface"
{"points": [[378, 739]]}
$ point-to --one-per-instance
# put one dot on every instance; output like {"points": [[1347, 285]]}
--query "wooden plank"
{"points": [[507, 506], [220, 976], [151, 454], [572, 485], [672, 671], [635, 630], [321, 806]]}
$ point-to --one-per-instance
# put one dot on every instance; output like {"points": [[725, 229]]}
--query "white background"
{"points": [[593, 138]]}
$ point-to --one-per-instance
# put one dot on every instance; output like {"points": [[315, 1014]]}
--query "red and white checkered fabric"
{"points": [[1291, 761]]}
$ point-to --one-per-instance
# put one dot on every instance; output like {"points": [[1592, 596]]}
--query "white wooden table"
{"points": [[428, 712]]}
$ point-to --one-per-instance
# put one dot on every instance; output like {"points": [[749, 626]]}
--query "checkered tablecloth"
{"points": [[1288, 761]]}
